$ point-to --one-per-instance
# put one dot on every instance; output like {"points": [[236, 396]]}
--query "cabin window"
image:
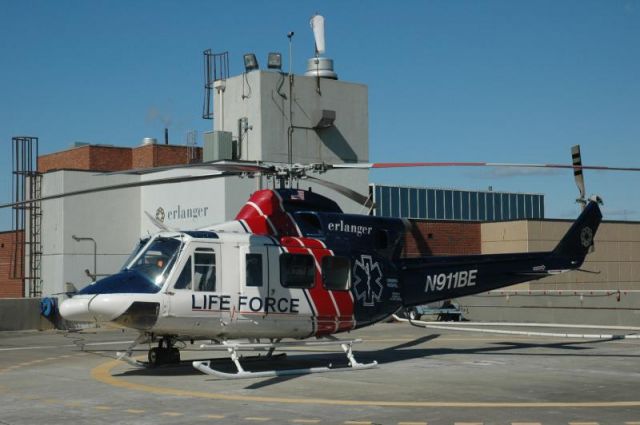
{"points": [[297, 270], [381, 239], [310, 223], [184, 280], [336, 273], [254, 269], [204, 270]]}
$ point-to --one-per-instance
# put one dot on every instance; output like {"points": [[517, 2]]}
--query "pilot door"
{"points": [[196, 300]]}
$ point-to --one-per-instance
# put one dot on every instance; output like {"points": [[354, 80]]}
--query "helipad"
{"points": [[436, 378]]}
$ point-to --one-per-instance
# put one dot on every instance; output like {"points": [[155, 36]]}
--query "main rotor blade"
{"points": [[167, 180], [577, 170], [160, 225], [343, 190], [226, 166], [372, 165]]}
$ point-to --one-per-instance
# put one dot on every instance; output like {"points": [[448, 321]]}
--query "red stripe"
{"points": [[265, 215], [496, 164], [343, 299], [343, 318], [268, 202], [257, 224], [326, 313]]}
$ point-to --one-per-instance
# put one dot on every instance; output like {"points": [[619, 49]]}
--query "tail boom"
{"points": [[428, 279]]}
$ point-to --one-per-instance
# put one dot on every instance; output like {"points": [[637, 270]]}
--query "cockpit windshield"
{"points": [[156, 260], [136, 250]]}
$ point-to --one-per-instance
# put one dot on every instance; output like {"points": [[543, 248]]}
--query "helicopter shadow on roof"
{"points": [[402, 352]]}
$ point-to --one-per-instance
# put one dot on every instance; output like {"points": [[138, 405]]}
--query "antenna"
{"points": [[290, 130], [290, 35], [317, 25]]}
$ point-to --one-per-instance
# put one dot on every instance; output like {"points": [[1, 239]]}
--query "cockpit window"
{"points": [[141, 243], [157, 259], [184, 280]]}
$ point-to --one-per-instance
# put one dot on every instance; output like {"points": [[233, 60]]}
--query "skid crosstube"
{"points": [[233, 348]]}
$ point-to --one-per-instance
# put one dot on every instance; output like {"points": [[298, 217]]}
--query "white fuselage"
{"points": [[223, 287]]}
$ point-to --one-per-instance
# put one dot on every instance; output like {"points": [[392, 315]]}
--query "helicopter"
{"points": [[293, 266]]}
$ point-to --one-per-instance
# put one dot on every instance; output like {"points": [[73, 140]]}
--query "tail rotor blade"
{"points": [[577, 172]]}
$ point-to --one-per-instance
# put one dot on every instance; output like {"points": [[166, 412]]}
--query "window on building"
{"points": [[382, 201], [431, 204], [253, 263], [528, 205], [422, 203], [413, 203], [535, 210], [513, 206], [521, 207], [395, 202], [505, 207], [336, 273], [297, 270], [440, 211], [473, 206], [482, 208], [404, 202], [457, 205], [448, 205], [497, 206], [466, 206], [204, 270]]}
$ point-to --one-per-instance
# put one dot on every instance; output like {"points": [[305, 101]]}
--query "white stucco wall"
{"points": [[116, 219]]}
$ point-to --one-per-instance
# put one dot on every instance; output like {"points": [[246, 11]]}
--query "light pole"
{"points": [[95, 254]]}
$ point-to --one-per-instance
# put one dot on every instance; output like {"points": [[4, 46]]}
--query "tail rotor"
{"points": [[579, 177], [577, 174]]}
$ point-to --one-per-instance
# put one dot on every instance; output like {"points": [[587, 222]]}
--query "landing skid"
{"points": [[128, 359], [233, 348], [126, 355]]}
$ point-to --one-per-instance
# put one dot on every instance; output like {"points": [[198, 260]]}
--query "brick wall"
{"points": [[77, 159], [96, 158], [111, 158], [9, 287], [105, 158], [442, 238], [161, 155], [143, 156]]}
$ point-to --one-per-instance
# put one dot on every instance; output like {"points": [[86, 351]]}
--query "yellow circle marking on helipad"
{"points": [[102, 373]]}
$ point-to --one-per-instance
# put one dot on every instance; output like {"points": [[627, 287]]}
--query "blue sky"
{"points": [[497, 81]]}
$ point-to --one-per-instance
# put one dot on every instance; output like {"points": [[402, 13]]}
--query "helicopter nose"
{"points": [[107, 307], [90, 308], [76, 309]]}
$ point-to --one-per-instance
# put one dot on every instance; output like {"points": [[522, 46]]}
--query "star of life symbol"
{"points": [[160, 214], [368, 285], [586, 236]]}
